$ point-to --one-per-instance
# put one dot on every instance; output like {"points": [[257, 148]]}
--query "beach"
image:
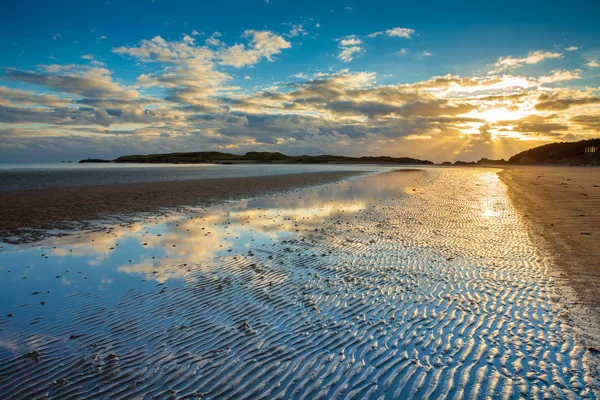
{"points": [[27, 215], [415, 283], [561, 207]]}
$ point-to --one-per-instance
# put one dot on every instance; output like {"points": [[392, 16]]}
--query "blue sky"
{"points": [[437, 80]]}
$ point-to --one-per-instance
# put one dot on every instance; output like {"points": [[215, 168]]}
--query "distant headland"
{"points": [[583, 152], [253, 157]]}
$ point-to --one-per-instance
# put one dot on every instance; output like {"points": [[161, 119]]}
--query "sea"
{"points": [[25, 176]]}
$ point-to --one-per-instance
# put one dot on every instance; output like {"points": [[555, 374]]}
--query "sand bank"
{"points": [[25, 212], [392, 286], [562, 208]]}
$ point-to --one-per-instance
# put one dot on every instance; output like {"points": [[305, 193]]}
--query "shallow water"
{"points": [[40, 176], [419, 284]]}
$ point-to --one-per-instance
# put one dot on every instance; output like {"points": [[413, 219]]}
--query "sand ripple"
{"points": [[432, 290]]}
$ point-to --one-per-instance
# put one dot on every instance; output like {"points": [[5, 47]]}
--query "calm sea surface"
{"points": [[38, 176]]}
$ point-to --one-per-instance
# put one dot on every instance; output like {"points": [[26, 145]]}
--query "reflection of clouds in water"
{"points": [[159, 248], [98, 243], [225, 232]]}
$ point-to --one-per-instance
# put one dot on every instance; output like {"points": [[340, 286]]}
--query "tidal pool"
{"points": [[417, 283]]}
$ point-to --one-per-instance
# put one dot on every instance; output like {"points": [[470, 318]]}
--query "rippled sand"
{"points": [[412, 284]]}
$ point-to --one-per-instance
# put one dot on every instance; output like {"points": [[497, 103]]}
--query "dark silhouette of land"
{"points": [[583, 152], [255, 156], [569, 153]]}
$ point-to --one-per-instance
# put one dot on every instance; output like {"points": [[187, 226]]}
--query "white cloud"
{"points": [[401, 52], [263, 44], [347, 53], [533, 57], [76, 79], [559, 76], [56, 36], [296, 30], [213, 40], [351, 41], [266, 42], [592, 58], [572, 48], [349, 46], [400, 32], [394, 32]]}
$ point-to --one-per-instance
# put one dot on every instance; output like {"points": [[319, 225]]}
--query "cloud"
{"points": [[534, 57], [400, 32], [559, 76], [78, 80], [588, 121], [572, 48], [191, 73], [349, 46], [185, 98], [213, 40], [394, 32], [556, 102], [296, 30], [29, 98], [263, 44], [592, 58], [350, 41], [347, 53]]}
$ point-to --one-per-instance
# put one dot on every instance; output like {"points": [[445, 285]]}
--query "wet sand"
{"points": [[422, 284], [24, 213], [561, 206]]}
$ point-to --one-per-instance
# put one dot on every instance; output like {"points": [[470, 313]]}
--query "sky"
{"points": [[435, 80]]}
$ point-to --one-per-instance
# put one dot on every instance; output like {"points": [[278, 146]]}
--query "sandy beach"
{"points": [[24, 213], [410, 284], [561, 207]]}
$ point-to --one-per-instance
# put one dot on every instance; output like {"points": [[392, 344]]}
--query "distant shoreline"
{"points": [[583, 152]]}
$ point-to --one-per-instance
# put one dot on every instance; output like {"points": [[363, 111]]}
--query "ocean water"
{"points": [[412, 284], [38, 176]]}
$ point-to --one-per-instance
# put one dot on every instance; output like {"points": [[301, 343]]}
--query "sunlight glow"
{"points": [[497, 114]]}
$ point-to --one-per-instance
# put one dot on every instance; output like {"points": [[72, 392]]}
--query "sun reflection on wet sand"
{"points": [[419, 284]]}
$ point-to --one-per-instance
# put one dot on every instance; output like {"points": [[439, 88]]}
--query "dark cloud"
{"points": [[555, 103]]}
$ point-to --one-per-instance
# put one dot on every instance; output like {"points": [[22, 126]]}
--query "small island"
{"points": [[583, 152], [93, 160], [216, 157]]}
